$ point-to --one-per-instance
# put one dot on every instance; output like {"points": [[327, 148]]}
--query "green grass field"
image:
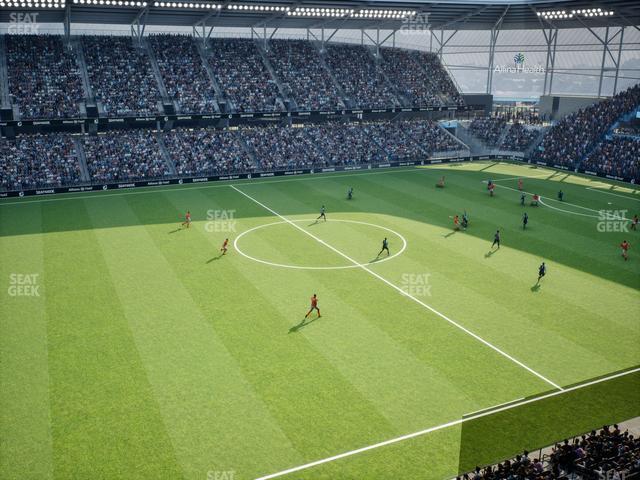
{"points": [[144, 354]]}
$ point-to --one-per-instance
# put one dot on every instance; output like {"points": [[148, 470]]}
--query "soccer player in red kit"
{"points": [[314, 306], [224, 246], [187, 219], [519, 184], [625, 247]]}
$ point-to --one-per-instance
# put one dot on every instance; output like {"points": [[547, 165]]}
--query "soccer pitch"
{"points": [[131, 349]]}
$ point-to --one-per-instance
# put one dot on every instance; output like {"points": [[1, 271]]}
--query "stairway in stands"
{"points": [[288, 99], [403, 101], [349, 103], [165, 153], [5, 100], [475, 145], [82, 159], [90, 101], [146, 47], [249, 150], [223, 104]]}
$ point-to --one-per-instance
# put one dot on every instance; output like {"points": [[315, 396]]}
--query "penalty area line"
{"points": [[443, 426], [401, 291]]}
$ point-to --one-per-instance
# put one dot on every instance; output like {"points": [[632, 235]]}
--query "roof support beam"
{"points": [[138, 25], [615, 82]]}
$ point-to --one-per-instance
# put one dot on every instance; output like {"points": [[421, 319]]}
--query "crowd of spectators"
{"points": [[440, 78], [185, 78], [336, 143], [568, 141], [619, 157], [359, 76], [298, 65], [43, 75], [123, 156], [131, 155], [38, 161], [281, 147], [207, 151], [606, 454], [121, 76], [45, 79], [524, 116], [519, 138], [348, 144], [419, 77], [247, 83], [489, 130]]}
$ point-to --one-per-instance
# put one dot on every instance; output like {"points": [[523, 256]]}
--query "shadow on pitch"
{"points": [[535, 288], [452, 232], [302, 324], [490, 253], [174, 231], [215, 258]]}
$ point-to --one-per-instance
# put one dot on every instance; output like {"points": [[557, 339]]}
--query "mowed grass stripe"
{"points": [[277, 196], [404, 388], [451, 342], [25, 420], [259, 305], [579, 316], [206, 403], [105, 420]]}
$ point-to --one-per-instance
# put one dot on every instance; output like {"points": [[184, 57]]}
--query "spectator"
{"points": [[123, 156], [246, 83], [121, 76], [183, 74], [38, 161], [43, 76]]}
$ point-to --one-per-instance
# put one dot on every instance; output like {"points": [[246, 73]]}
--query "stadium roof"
{"points": [[356, 14]]}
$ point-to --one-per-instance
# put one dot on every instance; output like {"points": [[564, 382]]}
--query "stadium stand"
{"points": [[43, 76], [123, 156], [605, 454], [573, 137], [38, 161], [246, 83], [360, 78], [207, 152], [419, 77], [121, 76], [128, 155], [519, 138], [619, 157], [183, 74], [489, 130], [297, 63]]}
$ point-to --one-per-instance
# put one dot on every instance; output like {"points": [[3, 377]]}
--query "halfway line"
{"points": [[401, 291]]}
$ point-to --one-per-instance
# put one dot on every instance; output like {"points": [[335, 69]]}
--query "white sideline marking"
{"points": [[219, 184], [568, 211], [614, 194], [563, 202], [402, 292], [492, 407], [547, 175], [443, 426]]}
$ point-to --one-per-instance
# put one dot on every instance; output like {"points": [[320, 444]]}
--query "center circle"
{"points": [[303, 267]]}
